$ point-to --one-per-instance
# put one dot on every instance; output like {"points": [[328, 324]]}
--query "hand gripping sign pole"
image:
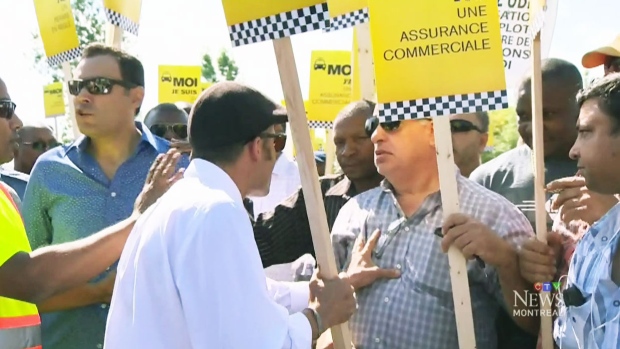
{"points": [[537, 19], [250, 22], [419, 78], [60, 42], [122, 15]]}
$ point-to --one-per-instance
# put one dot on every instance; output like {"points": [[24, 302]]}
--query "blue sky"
{"points": [[179, 32]]}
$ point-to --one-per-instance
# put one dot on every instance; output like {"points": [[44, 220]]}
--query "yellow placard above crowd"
{"points": [[330, 86], [53, 100], [347, 13], [124, 14], [180, 83], [437, 58], [251, 21], [58, 33]]}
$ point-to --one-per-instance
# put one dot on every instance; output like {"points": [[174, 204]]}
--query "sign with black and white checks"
{"points": [[320, 124], [348, 20], [445, 105], [65, 56], [122, 21], [280, 25]]}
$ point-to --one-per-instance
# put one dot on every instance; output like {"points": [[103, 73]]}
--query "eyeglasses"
{"points": [[180, 130], [97, 86], [373, 122], [462, 126], [42, 145], [279, 140], [7, 109]]}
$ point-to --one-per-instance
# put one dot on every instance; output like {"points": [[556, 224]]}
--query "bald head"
{"points": [[361, 108], [557, 71]]}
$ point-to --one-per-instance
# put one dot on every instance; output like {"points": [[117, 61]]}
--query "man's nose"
{"points": [[15, 122]]}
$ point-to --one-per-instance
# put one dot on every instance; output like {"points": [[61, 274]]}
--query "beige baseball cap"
{"points": [[597, 57]]}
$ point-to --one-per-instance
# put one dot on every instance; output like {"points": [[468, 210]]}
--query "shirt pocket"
{"points": [[426, 270]]}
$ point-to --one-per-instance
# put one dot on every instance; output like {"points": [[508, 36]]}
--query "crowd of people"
{"points": [[190, 229]]}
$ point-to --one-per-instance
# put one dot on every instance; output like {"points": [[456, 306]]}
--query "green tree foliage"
{"points": [[505, 133], [227, 69]]}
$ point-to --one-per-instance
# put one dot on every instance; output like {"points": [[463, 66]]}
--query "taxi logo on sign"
{"points": [[332, 69], [179, 82]]}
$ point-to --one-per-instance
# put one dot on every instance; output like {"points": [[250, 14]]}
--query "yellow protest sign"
{"points": [[537, 16], [57, 28], [179, 83], [124, 14], [53, 100], [251, 21], [437, 58], [330, 86], [346, 13]]}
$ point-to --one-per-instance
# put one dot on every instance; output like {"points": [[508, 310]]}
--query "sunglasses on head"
{"points": [[7, 109], [462, 126], [279, 140], [96, 86], [42, 145], [180, 130]]}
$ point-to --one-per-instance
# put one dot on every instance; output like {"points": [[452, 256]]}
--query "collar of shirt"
{"points": [[606, 229], [146, 138], [342, 188], [213, 176]]}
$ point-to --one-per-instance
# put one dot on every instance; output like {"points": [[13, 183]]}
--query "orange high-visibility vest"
{"points": [[20, 324]]}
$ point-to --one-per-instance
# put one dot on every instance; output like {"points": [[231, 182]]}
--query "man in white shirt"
{"points": [[190, 275]]}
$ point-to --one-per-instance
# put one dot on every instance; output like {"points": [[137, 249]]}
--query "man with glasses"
{"points": [[10, 123], [81, 188], [34, 140], [416, 310], [167, 121], [607, 56], [470, 133]]}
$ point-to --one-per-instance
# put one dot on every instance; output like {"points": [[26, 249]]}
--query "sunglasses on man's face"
{"points": [[7, 109], [373, 122], [279, 140], [96, 86], [180, 130], [462, 126], [42, 146]]}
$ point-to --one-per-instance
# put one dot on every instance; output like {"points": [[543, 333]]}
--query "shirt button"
{"points": [[398, 266], [406, 228], [377, 340], [604, 238], [386, 299], [616, 303], [107, 269], [113, 194], [103, 306]]}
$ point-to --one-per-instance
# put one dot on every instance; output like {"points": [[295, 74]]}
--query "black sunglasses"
{"points": [[180, 130], [97, 86], [7, 109], [42, 145], [462, 126], [279, 140], [456, 126]]}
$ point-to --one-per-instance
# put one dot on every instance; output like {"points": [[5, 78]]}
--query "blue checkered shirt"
{"points": [[596, 323], [417, 310]]}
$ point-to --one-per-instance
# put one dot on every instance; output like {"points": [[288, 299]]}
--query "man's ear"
{"points": [[484, 139], [137, 96], [255, 149]]}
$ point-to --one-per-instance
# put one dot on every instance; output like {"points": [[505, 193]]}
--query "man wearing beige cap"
{"points": [[608, 56]]}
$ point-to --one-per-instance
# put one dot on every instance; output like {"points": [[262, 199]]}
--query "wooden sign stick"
{"points": [[330, 151], [307, 168], [450, 205], [366, 66], [546, 323], [68, 75], [114, 35]]}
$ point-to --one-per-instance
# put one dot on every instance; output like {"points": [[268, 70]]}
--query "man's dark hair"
{"points": [[163, 107], [131, 68], [607, 93], [483, 118], [362, 107]]}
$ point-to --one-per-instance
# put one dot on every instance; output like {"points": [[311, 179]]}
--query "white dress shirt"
{"points": [[285, 181], [190, 276]]}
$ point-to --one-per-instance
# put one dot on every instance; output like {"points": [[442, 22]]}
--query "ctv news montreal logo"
{"points": [[543, 301]]}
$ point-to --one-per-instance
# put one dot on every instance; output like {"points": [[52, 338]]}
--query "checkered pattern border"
{"points": [[537, 23], [65, 56], [320, 124], [444, 105], [122, 22], [348, 20], [278, 26]]}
